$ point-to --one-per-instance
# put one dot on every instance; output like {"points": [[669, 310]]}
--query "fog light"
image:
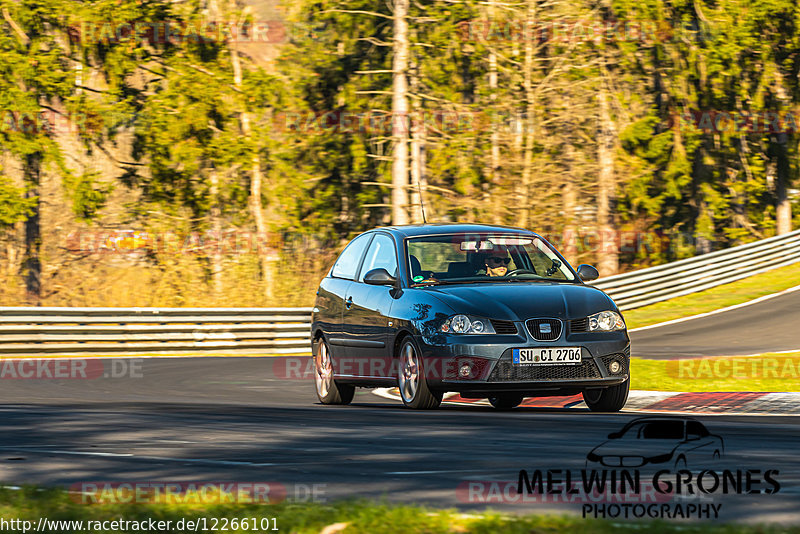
{"points": [[614, 367], [465, 370]]}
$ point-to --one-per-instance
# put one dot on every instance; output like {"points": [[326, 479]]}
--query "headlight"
{"points": [[606, 321], [660, 459], [466, 324]]}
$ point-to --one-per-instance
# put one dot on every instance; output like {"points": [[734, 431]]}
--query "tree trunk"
{"points": [[256, 180], [569, 204], [400, 115], [529, 124], [216, 231], [417, 125], [11, 256], [783, 211], [607, 255], [783, 208], [494, 158], [33, 239], [417, 216]]}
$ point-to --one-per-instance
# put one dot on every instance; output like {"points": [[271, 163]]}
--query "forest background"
{"points": [[221, 152]]}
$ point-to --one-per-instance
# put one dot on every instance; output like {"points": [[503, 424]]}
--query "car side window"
{"points": [[663, 430], [347, 264], [381, 254], [695, 430]]}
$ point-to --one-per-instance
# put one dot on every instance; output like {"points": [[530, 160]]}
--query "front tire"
{"points": [[411, 380], [505, 401], [328, 391], [610, 399]]}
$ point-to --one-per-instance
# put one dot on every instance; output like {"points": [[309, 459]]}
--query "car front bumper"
{"points": [[491, 369]]}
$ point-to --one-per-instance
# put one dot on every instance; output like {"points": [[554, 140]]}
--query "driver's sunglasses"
{"points": [[496, 259]]}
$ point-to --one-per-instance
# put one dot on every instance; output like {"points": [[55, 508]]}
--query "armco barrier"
{"points": [[128, 331], [664, 282], [64, 331]]}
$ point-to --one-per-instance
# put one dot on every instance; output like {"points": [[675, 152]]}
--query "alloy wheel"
{"points": [[409, 373], [324, 371]]}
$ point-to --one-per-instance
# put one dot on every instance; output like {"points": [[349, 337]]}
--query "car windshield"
{"points": [[656, 430], [497, 257]]}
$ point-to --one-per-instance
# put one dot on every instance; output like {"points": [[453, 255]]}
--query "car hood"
{"points": [[518, 301], [636, 447]]}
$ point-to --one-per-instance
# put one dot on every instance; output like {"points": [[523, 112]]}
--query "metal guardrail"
{"points": [[664, 282], [69, 331], [130, 331]]}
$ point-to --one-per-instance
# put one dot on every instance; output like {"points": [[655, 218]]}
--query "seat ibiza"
{"points": [[486, 311]]}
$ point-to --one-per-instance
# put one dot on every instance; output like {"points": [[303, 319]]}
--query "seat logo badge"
{"points": [[544, 328]]}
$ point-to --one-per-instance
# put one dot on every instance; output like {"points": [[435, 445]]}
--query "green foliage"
{"points": [[317, 124], [32, 503], [713, 179], [88, 195], [14, 207]]}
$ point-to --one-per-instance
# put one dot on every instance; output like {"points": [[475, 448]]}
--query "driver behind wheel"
{"points": [[497, 263]]}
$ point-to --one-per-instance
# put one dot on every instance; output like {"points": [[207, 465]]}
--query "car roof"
{"points": [[661, 419], [417, 230]]}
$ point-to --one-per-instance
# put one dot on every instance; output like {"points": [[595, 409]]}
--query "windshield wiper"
{"points": [[444, 282], [517, 279]]}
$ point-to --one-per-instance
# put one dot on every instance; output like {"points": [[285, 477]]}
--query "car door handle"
{"points": [[348, 303]]}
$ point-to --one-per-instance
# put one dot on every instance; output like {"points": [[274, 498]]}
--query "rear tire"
{"points": [[610, 399], [506, 401], [411, 380], [328, 390]]}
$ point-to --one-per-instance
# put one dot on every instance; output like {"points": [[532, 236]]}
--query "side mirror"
{"points": [[587, 273], [379, 277], [614, 435]]}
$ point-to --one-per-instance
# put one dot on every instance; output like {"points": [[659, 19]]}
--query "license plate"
{"points": [[547, 356]]}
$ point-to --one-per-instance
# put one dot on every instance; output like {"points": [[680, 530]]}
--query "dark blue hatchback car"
{"points": [[485, 311]]}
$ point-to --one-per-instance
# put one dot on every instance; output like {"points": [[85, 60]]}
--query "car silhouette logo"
{"points": [[675, 441], [545, 328]]}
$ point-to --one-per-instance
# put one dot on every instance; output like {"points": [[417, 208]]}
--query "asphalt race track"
{"points": [[254, 419], [241, 419], [767, 326]]}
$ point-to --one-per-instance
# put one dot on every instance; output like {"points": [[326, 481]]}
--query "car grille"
{"points": [[622, 358], [504, 327], [506, 371], [579, 325], [555, 329], [622, 461]]}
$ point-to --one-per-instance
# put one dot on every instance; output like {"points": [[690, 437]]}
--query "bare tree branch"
{"points": [[358, 12], [11, 22]]}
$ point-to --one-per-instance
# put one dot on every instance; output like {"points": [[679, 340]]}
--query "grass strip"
{"points": [[766, 372], [31, 503], [715, 298]]}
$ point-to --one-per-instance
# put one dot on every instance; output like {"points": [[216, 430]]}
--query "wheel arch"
{"points": [[316, 335], [398, 340]]}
